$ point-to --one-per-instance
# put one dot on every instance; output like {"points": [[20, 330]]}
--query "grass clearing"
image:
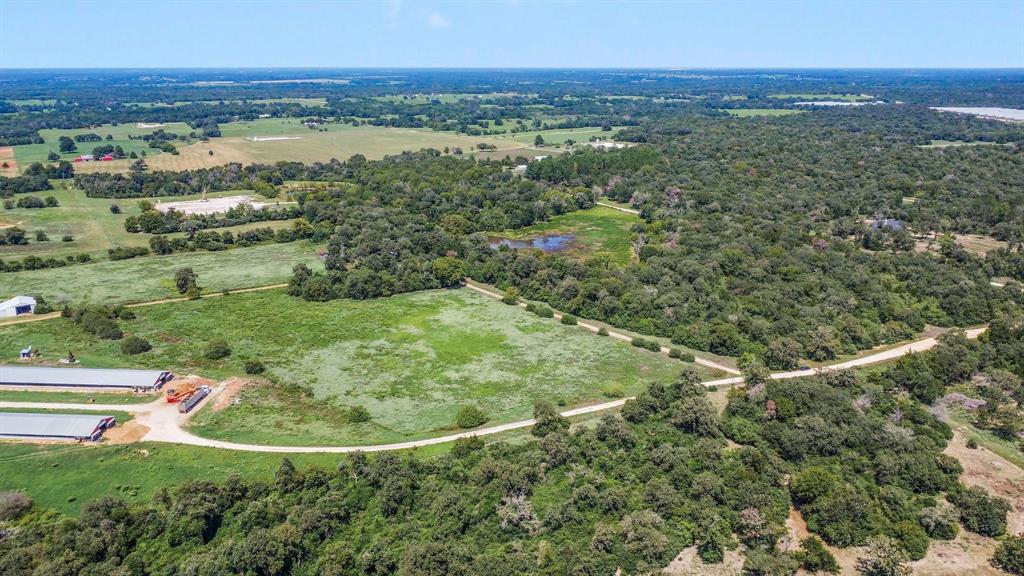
{"points": [[839, 97], [756, 112], [28, 153], [599, 232], [152, 277], [411, 360], [63, 396], [339, 141], [91, 224]]}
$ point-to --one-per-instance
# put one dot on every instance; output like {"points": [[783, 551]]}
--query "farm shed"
{"points": [[17, 306], [54, 426], [88, 377]]}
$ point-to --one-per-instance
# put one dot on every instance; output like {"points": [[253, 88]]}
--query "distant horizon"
{"points": [[515, 34]]}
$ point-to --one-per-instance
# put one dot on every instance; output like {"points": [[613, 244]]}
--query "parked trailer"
{"points": [[186, 406]]}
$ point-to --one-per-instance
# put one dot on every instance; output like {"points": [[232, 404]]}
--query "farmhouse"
{"points": [[891, 224], [54, 426], [84, 377], [85, 158], [17, 306]]}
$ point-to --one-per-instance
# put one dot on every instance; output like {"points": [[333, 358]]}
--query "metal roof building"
{"points": [[89, 377], [60, 426]]}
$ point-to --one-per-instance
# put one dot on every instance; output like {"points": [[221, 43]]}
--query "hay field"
{"points": [[338, 141], [29, 153]]}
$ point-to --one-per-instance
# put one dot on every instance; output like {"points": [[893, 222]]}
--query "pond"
{"points": [[546, 242]]}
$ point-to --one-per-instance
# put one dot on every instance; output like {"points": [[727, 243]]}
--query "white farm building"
{"points": [[17, 306]]}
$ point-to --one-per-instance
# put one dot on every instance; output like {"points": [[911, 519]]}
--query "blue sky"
{"points": [[502, 33]]}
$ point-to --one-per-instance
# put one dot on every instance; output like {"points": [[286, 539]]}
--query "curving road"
{"points": [[166, 425]]}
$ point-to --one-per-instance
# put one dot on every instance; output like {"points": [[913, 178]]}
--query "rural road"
{"points": [[52, 315], [619, 208], [594, 328], [166, 425]]}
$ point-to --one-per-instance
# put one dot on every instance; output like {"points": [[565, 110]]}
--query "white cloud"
{"points": [[435, 20]]}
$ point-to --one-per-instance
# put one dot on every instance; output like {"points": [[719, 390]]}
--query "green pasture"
{"points": [[754, 112], [843, 97], [152, 277], [599, 231], [27, 153], [64, 396], [91, 224], [411, 360]]}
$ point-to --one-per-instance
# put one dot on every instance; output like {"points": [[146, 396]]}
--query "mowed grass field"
{"points": [[339, 141], [599, 231], [843, 97], [91, 224], [411, 360], [63, 477], [27, 153], [754, 112], [152, 277]]}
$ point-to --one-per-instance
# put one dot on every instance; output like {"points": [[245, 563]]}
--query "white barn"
{"points": [[17, 306]]}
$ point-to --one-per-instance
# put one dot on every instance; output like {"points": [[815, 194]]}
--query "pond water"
{"points": [[547, 242]]}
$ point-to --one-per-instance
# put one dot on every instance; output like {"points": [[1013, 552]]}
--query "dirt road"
{"points": [[52, 315], [166, 425], [617, 335], [619, 208]]}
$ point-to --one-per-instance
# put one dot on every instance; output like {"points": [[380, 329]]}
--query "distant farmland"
{"points": [[239, 144]]}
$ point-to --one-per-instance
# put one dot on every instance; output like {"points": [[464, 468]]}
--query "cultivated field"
{"points": [[152, 277], [249, 142], [602, 232], [411, 360]]}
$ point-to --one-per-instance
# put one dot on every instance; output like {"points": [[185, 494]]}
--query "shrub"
{"points": [[470, 417], [115, 209], [912, 538], [67, 238], [972, 443], [254, 367], [13, 505], [979, 512], [216, 349], [674, 353], [651, 345], [687, 357], [511, 296], [358, 414], [568, 320], [602, 331], [184, 279], [939, 522], [545, 312], [135, 345], [814, 557], [1009, 555], [194, 293], [41, 236]]}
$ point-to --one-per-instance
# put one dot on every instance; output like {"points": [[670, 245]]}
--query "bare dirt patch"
{"points": [[126, 433], [688, 563], [7, 157], [211, 205], [969, 553], [231, 388]]}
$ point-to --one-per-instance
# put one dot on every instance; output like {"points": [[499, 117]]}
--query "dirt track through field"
{"points": [[166, 425], [7, 157]]}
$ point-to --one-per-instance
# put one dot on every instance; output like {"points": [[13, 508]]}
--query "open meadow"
{"points": [[269, 140], [412, 361], [26, 154], [599, 231], [152, 277], [93, 228]]}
